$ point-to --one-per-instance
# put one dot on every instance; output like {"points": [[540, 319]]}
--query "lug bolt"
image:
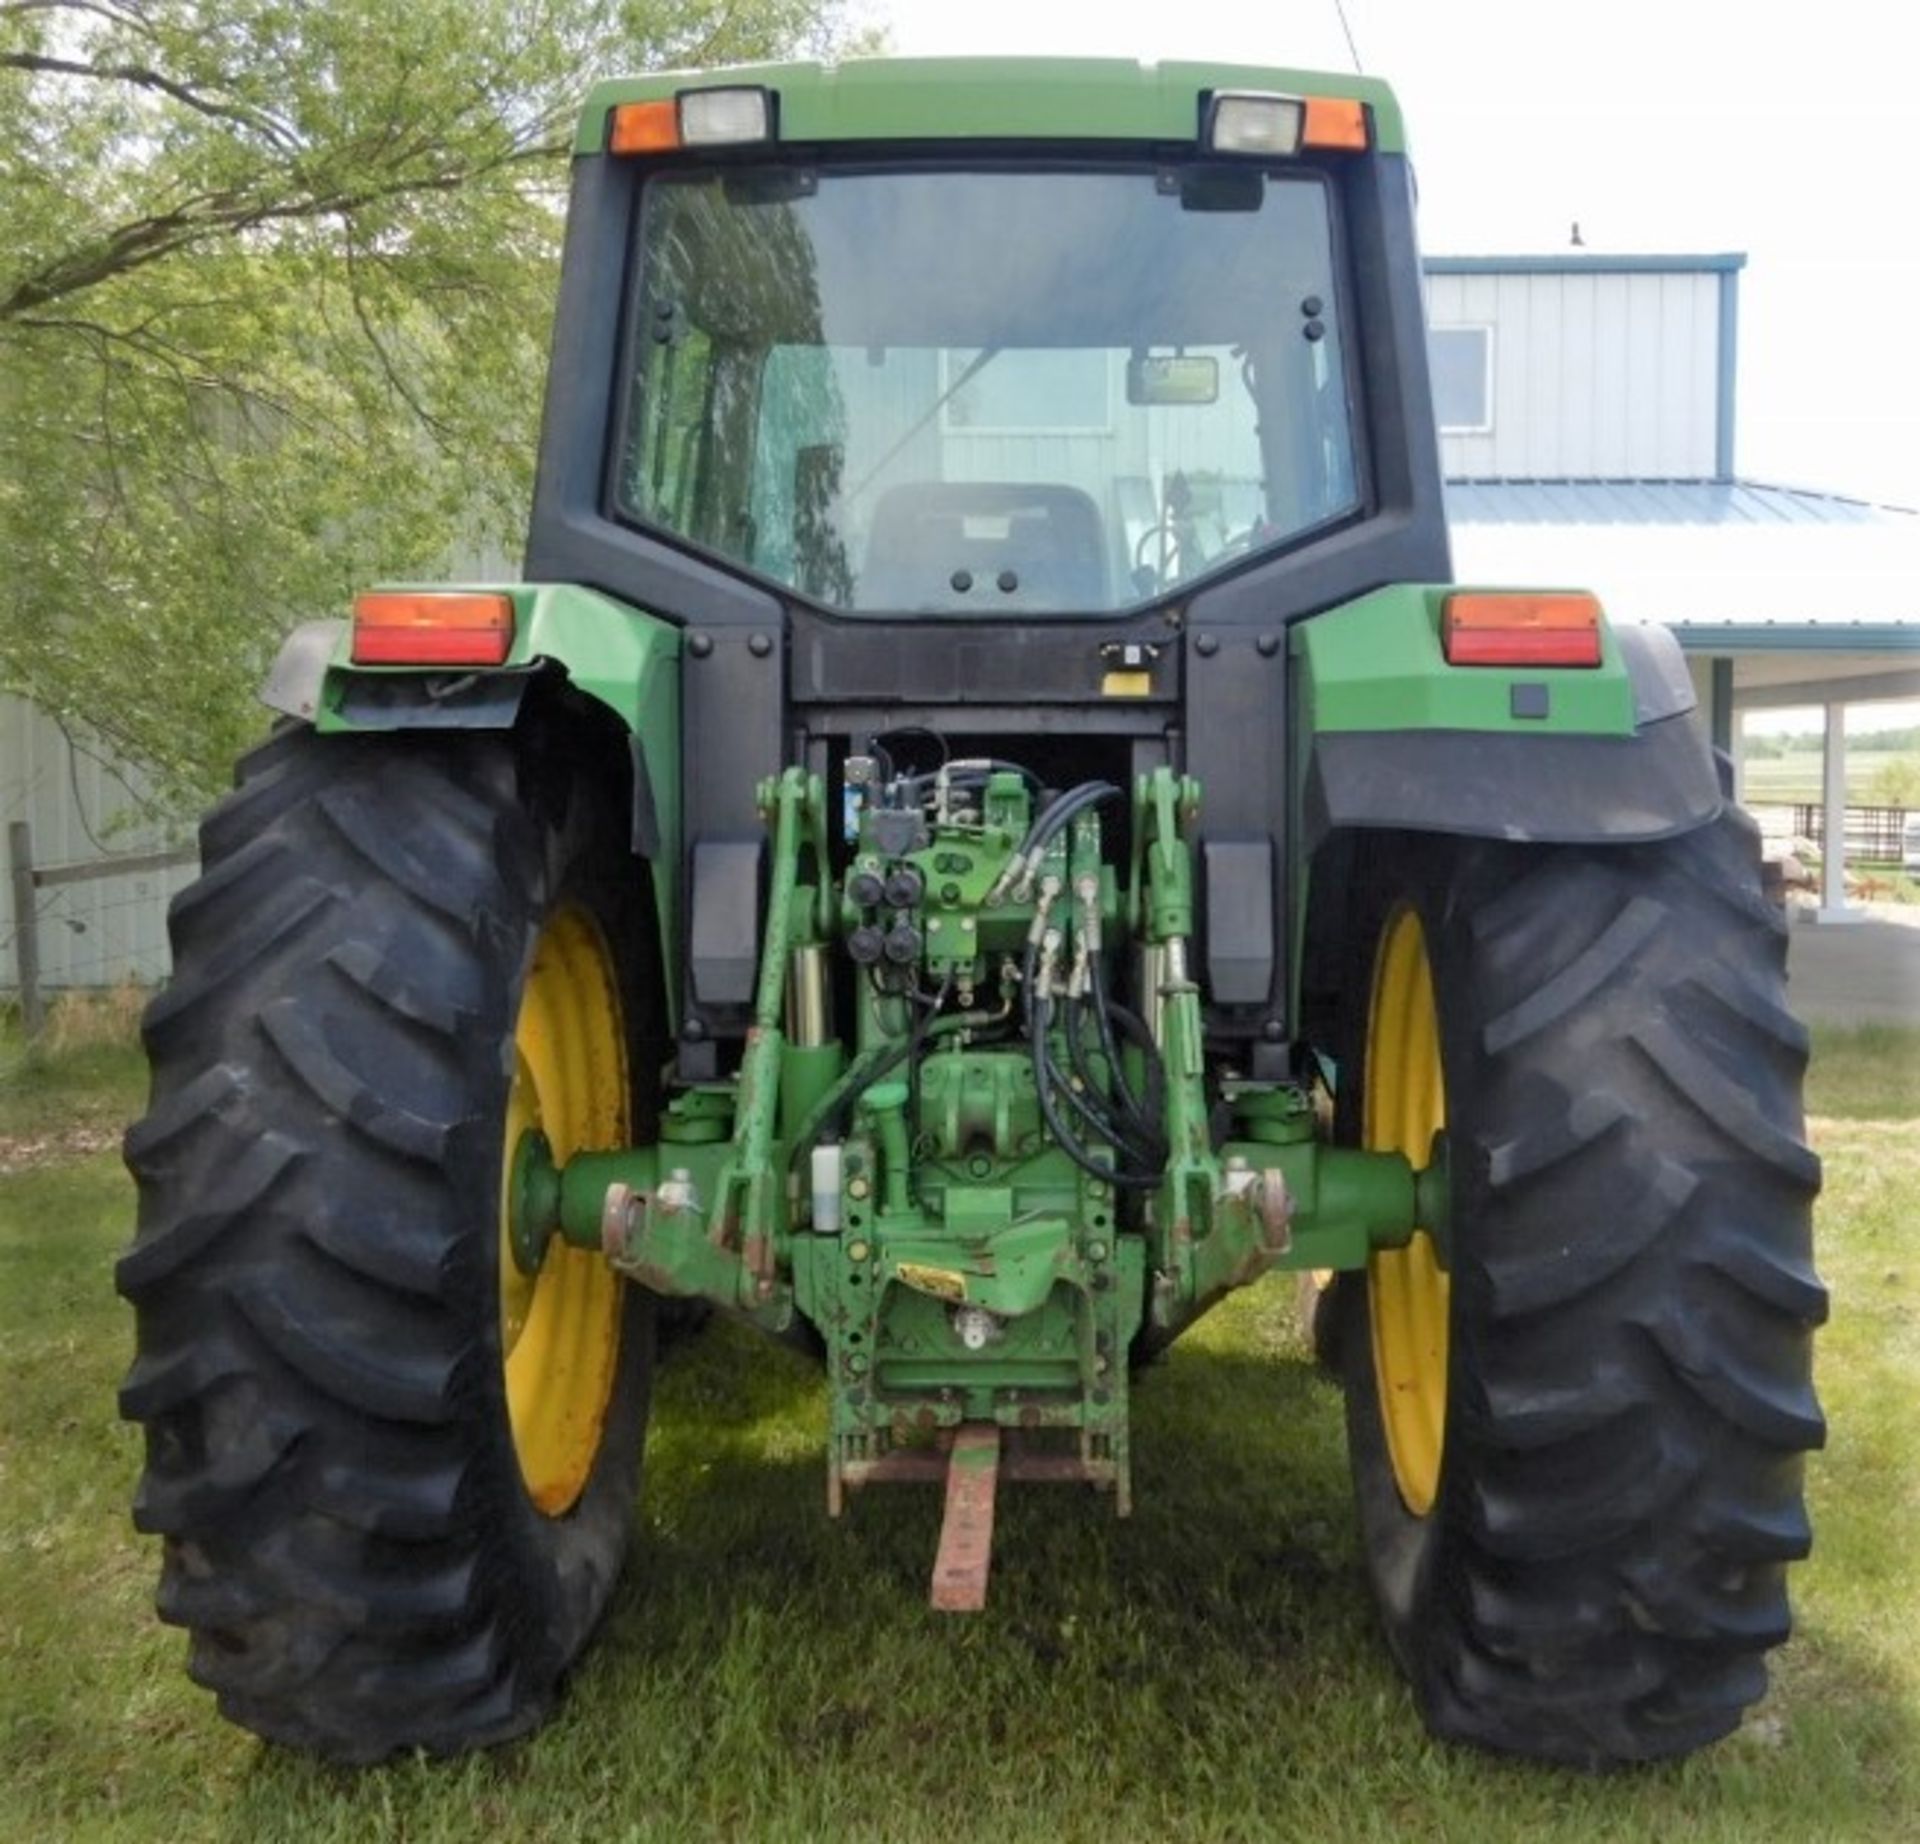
{"points": [[858, 1251], [857, 1189]]}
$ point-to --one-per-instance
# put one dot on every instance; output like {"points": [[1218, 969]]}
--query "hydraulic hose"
{"points": [[1046, 1075], [1105, 1010], [1129, 1131], [1063, 808]]}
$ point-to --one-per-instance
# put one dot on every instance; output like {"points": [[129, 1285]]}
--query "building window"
{"points": [[1461, 359], [1028, 392]]}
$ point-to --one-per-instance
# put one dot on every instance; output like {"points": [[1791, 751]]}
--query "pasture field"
{"points": [[1787, 779]]}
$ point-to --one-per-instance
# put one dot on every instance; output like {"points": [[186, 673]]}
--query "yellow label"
{"points": [[942, 1283], [1126, 685]]}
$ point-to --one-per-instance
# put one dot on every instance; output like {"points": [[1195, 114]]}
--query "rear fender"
{"points": [[1392, 737], [622, 658]]}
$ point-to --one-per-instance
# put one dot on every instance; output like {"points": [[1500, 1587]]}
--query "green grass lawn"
{"points": [[1797, 776], [1209, 1670]]}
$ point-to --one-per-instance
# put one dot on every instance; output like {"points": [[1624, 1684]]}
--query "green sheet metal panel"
{"points": [[1376, 664], [1057, 99]]}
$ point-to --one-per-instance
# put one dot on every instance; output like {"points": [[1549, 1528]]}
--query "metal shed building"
{"points": [[1587, 409]]}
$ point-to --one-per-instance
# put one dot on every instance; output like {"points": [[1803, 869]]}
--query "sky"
{"points": [[1660, 126]]}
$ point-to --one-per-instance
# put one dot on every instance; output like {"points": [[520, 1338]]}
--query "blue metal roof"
{"points": [[1655, 502], [1590, 262], [1806, 569], [1784, 637]]}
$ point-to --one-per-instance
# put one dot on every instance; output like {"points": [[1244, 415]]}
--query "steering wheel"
{"points": [[1173, 546]]}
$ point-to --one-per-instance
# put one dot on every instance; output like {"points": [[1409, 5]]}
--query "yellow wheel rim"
{"points": [[1407, 1290], [560, 1326]]}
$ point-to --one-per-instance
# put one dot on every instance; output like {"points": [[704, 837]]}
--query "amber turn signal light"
{"points": [[431, 628], [1515, 629], [646, 127], [1337, 123]]}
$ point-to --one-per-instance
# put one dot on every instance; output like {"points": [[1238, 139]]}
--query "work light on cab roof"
{"points": [[1257, 122], [732, 116]]}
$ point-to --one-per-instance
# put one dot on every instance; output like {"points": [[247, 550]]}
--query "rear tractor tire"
{"points": [[1577, 1415], [394, 1476]]}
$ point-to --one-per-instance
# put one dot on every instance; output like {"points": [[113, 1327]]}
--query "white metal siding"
{"points": [[1596, 375], [108, 928]]}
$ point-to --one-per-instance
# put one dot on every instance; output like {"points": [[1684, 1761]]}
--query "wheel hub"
{"points": [[533, 1200]]}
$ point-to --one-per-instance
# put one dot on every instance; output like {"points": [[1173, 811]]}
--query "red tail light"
{"points": [[431, 628], [1513, 629]]}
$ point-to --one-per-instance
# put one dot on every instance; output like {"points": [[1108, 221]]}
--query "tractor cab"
{"points": [[967, 339]]}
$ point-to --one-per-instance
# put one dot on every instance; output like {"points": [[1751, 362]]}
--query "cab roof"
{"points": [[1024, 99]]}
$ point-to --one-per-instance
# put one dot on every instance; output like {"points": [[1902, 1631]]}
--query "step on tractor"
{"points": [[986, 827]]}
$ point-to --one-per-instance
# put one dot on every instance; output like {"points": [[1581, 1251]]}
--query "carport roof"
{"points": [[1655, 502], [1729, 565]]}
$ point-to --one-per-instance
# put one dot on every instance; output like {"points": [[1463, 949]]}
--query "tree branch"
{"points": [[146, 240], [434, 425], [144, 77], [130, 20], [187, 368]]}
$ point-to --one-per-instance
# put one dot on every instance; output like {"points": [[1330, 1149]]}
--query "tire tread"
{"points": [[344, 1530], [1634, 1300]]}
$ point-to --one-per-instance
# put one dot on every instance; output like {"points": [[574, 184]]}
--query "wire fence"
{"points": [[1870, 835], [48, 900]]}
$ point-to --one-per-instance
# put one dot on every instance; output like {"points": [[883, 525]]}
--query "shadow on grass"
{"points": [[1209, 1668], [1240, 1479]]}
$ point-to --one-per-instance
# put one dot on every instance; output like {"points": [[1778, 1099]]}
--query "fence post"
{"points": [[26, 926]]}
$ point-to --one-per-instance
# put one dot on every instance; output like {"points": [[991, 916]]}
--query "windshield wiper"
{"points": [[974, 367]]}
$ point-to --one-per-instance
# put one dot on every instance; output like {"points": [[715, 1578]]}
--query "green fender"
{"points": [[617, 655], [1389, 736]]}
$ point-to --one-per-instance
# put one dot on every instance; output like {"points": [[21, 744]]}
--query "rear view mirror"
{"points": [[1172, 380]]}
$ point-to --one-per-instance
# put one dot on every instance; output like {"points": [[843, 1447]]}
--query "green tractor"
{"points": [[985, 828]]}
